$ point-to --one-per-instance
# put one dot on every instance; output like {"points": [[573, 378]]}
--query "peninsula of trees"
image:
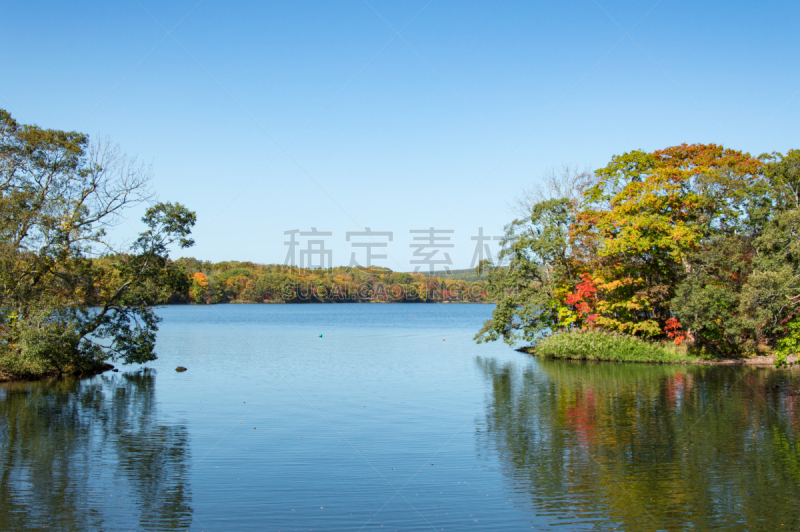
{"points": [[695, 245]]}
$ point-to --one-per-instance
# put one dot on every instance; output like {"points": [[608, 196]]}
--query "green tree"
{"points": [[772, 296], [69, 299], [538, 251]]}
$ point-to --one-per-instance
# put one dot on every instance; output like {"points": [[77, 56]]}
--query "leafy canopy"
{"points": [[695, 242], [70, 299]]}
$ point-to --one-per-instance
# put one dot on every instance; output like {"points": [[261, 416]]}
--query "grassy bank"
{"points": [[597, 345]]}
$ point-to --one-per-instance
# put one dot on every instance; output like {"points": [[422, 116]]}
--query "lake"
{"points": [[393, 419]]}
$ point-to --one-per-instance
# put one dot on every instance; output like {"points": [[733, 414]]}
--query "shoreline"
{"points": [[6, 377], [762, 361]]}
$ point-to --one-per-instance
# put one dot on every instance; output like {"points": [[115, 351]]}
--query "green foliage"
{"points": [[709, 297], [599, 345], [537, 249], [692, 242], [68, 300], [789, 344]]}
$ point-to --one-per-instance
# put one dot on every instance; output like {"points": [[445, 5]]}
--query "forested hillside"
{"points": [[247, 282]]}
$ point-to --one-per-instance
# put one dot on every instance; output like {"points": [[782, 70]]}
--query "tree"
{"points": [[693, 242], [771, 298], [650, 214], [529, 290], [198, 291], [71, 299]]}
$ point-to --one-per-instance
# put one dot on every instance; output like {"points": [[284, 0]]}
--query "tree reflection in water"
{"points": [[91, 455], [648, 447]]}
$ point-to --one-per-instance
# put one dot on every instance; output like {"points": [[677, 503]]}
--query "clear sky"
{"points": [[266, 117]]}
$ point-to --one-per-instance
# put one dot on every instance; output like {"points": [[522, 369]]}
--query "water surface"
{"points": [[394, 420]]}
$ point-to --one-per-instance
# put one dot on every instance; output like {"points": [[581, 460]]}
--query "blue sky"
{"points": [[265, 117]]}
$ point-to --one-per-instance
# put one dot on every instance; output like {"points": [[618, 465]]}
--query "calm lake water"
{"points": [[382, 425]]}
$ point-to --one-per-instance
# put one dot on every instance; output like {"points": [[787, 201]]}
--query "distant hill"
{"points": [[248, 282], [458, 275]]}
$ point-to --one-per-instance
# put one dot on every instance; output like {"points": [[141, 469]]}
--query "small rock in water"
{"points": [[180, 369]]}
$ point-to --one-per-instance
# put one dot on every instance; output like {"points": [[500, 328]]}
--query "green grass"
{"points": [[597, 345]]}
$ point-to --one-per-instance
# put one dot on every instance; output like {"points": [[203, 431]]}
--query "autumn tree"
{"points": [[650, 214], [199, 289], [693, 242]]}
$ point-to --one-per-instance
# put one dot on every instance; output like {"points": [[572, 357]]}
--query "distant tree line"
{"points": [[247, 282]]}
